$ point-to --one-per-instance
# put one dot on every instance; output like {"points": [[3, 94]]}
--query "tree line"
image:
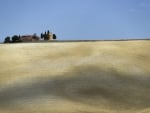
{"points": [[17, 38]]}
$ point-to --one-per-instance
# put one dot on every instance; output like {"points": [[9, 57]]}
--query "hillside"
{"points": [[75, 77]]}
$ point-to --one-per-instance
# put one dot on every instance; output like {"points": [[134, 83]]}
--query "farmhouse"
{"points": [[28, 38]]}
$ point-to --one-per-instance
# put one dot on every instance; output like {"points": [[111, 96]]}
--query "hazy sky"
{"points": [[76, 19]]}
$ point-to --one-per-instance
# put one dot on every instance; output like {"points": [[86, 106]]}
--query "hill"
{"points": [[75, 77]]}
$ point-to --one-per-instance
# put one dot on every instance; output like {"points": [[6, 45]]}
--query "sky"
{"points": [[76, 19]]}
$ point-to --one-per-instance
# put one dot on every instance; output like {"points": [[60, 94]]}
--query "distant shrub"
{"points": [[7, 40], [54, 36], [16, 38], [42, 35]]}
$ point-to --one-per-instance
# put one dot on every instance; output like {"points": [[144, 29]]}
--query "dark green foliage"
{"points": [[42, 35], [48, 32], [7, 40], [54, 36], [45, 33], [16, 38], [45, 36]]}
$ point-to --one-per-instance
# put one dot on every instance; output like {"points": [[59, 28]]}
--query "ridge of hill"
{"points": [[47, 41]]}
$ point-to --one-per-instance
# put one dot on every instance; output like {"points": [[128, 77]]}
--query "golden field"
{"points": [[75, 77]]}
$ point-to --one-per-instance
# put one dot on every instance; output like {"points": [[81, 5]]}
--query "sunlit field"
{"points": [[75, 77]]}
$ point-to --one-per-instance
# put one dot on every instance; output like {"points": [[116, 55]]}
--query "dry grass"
{"points": [[79, 77]]}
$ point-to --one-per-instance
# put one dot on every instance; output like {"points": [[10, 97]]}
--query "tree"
{"points": [[45, 33], [16, 38], [48, 32], [54, 36], [42, 35], [7, 39]]}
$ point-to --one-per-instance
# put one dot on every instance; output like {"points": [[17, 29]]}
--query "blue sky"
{"points": [[76, 19]]}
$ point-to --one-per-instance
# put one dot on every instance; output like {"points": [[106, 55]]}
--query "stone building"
{"points": [[29, 38]]}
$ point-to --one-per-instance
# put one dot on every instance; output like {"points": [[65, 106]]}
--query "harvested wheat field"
{"points": [[75, 77]]}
